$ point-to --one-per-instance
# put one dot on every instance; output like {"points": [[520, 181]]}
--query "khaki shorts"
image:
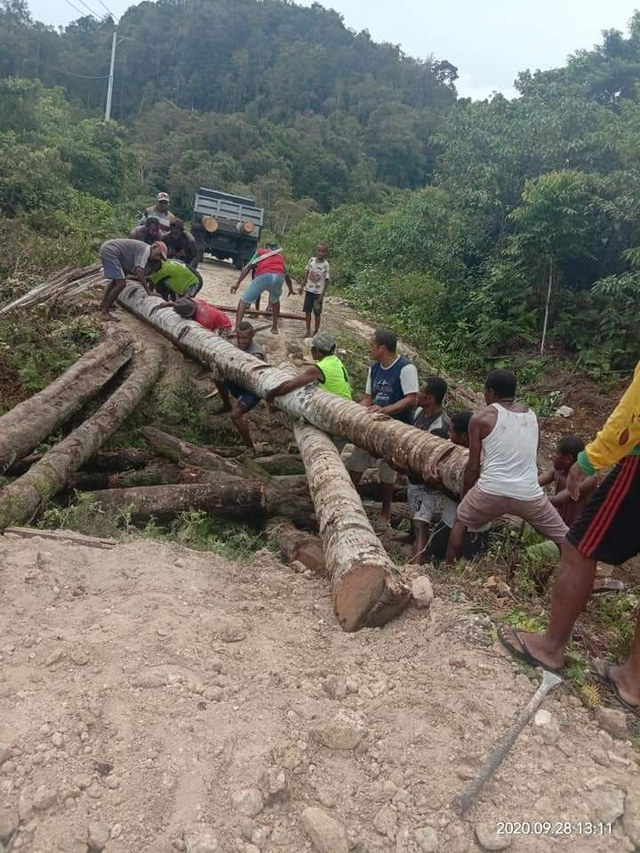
{"points": [[361, 460], [479, 508]]}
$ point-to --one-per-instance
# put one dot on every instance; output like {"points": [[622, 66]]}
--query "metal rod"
{"points": [[114, 42]]}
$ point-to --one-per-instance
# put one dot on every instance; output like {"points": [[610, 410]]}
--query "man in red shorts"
{"points": [[608, 530]]}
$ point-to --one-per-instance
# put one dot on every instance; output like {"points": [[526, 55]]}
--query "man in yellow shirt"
{"points": [[607, 530]]}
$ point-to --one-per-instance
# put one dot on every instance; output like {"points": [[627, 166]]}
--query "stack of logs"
{"points": [[315, 493]]}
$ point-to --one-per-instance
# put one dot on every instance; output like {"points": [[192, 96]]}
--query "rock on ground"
{"points": [[422, 591], [327, 835], [613, 721], [426, 839], [489, 839], [201, 839], [342, 731]]}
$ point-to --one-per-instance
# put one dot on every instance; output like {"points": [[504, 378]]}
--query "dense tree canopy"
{"points": [[467, 222]]}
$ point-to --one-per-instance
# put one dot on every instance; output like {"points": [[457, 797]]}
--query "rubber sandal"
{"points": [[607, 681], [608, 585], [523, 654]]}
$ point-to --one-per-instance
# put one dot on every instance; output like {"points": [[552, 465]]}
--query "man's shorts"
{"points": [[425, 503], [111, 267], [609, 527], [271, 282], [312, 302], [361, 459], [478, 508], [245, 399]]}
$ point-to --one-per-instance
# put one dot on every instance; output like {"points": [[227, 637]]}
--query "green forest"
{"points": [[461, 221]]}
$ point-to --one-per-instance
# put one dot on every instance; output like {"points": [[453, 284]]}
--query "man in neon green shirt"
{"points": [[329, 373], [172, 278]]}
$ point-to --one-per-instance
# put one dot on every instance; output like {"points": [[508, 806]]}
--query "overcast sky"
{"points": [[489, 41]]}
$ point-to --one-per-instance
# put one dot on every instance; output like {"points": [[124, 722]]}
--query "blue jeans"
{"points": [[271, 282]]}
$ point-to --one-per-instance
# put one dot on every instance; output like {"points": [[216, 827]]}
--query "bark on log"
{"points": [[62, 536], [157, 474], [30, 422], [280, 464], [295, 544], [367, 589], [178, 450], [404, 446], [22, 498], [227, 496], [114, 461]]}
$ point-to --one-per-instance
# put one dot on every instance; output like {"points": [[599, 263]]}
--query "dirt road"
{"points": [[153, 699]]}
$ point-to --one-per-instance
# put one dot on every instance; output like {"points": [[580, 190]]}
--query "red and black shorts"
{"points": [[609, 526]]}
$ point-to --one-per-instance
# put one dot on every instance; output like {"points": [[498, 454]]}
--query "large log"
{"points": [[31, 421], [22, 498], [178, 450], [367, 589], [404, 446], [226, 496]]}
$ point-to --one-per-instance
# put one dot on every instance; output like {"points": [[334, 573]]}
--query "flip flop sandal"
{"points": [[605, 678], [523, 654], [608, 585]]}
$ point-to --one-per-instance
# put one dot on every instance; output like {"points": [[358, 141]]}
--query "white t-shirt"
{"points": [[408, 378], [319, 272]]}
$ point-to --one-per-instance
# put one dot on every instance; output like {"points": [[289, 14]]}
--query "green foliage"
{"points": [[36, 347]]}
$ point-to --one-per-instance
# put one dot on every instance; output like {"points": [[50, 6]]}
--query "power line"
{"points": [[79, 11], [104, 6], [90, 10], [74, 73]]}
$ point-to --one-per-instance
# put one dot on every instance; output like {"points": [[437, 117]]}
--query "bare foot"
{"points": [[274, 330], [108, 317]]}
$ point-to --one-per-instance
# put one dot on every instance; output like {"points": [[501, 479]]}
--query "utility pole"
{"points": [[114, 43]]}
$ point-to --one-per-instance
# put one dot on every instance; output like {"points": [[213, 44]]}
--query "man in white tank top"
{"points": [[501, 477]]}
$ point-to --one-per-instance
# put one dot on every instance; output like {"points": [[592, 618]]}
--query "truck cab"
{"points": [[226, 226]]}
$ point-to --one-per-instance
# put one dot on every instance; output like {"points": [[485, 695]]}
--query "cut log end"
{"points": [[367, 597]]}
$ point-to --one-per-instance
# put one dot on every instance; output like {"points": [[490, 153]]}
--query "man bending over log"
{"points": [[201, 312], [245, 400], [121, 258], [328, 373], [392, 389], [501, 476], [271, 274], [172, 279]]}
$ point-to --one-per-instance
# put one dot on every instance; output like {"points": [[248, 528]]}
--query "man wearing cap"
{"points": [[271, 274], [181, 245], [328, 373], [147, 233], [161, 212], [121, 258], [201, 312]]}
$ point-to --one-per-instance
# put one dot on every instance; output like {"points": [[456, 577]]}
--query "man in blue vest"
{"points": [[392, 389]]}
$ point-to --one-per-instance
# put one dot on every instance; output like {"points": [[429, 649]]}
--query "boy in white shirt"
{"points": [[315, 284]]}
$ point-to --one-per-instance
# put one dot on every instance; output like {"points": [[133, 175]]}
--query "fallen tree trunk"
{"points": [[22, 498], [30, 422], [227, 496], [367, 589], [157, 474], [406, 447], [114, 461], [279, 464], [178, 450], [297, 545]]}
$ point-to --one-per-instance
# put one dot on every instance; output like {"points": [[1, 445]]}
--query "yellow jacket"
{"points": [[620, 436]]}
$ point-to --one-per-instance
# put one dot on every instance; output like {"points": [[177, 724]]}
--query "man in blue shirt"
{"points": [[392, 389]]}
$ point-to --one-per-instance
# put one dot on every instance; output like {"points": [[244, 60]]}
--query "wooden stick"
{"points": [[76, 538], [253, 312]]}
